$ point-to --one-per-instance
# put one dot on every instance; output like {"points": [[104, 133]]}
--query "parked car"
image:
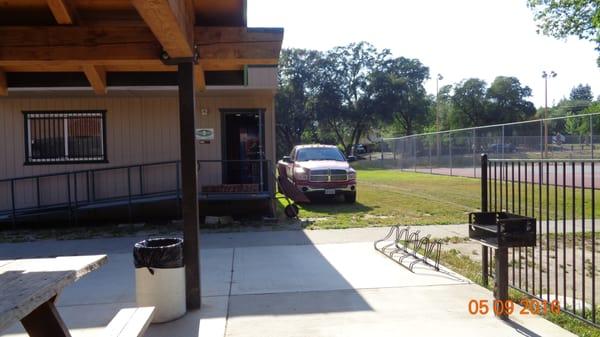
{"points": [[499, 148], [320, 170], [359, 149]]}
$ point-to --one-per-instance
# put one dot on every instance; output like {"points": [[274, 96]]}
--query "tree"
{"points": [[563, 18], [293, 102], [443, 107], [398, 95], [507, 101], [469, 103], [581, 93], [344, 75]]}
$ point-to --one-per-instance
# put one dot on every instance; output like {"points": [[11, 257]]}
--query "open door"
{"points": [[243, 147]]}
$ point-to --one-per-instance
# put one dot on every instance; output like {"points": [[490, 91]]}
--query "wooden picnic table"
{"points": [[29, 288]]}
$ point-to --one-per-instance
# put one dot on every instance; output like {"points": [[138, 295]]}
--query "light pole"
{"points": [[438, 78], [545, 76]]}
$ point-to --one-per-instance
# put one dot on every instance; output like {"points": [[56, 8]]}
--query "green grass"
{"points": [[388, 197], [391, 197]]}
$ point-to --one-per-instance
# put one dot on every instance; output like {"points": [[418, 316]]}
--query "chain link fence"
{"points": [[457, 152]]}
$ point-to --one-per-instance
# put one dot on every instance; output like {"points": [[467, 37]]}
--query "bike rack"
{"points": [[397, 243]]}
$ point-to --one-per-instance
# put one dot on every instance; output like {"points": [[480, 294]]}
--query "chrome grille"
{"points": [[328, 175]]}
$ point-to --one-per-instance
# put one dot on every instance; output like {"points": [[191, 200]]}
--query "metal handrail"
{"points": [[88, 170], [73, 178]]}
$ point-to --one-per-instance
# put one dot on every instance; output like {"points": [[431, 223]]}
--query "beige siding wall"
{"points": [[262, 77], [140, 128]]}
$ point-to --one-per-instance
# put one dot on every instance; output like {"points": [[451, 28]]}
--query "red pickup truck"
{"points": [[320, 170]]}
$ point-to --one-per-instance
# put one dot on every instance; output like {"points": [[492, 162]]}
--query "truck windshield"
{"points": [[319, 153]]}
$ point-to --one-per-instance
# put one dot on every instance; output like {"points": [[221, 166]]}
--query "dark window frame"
{"points": [[103, 158]]}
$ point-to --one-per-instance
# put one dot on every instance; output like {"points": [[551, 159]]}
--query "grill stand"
{"points": [[501, 280]]}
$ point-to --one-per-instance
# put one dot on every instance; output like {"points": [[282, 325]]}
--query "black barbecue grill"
{"points": [[502, 229]]}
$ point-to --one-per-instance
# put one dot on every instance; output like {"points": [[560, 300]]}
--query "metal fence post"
{"points": [[430, 163], [542, 139], [503, 144], [414, 153], [592, 135], [474, 146], [381, 150], [450, 150], [484, 208]]}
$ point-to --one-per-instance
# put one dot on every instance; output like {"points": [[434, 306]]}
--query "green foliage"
{"points": [[357, 92], [293, 102], [343, 104], [581, 93], [474, 104], [507, 101], [563, 18], [397, 90], [469, 103], [342, 95]]}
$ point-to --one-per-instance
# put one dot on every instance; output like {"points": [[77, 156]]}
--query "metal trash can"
{"points": [[160, 277]]}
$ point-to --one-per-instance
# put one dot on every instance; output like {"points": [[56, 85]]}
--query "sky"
{"points": [[458, 39]]}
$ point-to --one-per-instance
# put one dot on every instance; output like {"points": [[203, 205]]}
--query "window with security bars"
{"points": [[65, 136]]}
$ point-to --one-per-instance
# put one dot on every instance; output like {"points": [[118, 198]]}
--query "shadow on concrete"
{"points": [[300, 303], [521, 329]]}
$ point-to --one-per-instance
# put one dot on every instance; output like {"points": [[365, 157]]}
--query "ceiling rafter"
{"points": [[63, 11], [3, 84], [96, 75], [199, 77]]}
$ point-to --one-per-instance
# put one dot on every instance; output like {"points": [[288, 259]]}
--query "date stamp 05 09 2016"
{"points": [[500, 307]]}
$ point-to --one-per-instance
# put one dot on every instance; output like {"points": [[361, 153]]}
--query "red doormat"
{"points": [[230, 188]]}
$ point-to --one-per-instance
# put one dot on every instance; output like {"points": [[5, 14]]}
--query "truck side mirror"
{"points": [[287, 159], [351, 158]]}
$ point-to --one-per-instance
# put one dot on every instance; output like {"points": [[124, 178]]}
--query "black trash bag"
{"points": [[158, 253]]}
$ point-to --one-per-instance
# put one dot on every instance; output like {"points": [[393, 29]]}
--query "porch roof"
{"points": [[97, 40]]}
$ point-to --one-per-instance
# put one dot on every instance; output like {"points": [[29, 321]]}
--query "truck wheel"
{"points": [[291, 210], [350, 197]]}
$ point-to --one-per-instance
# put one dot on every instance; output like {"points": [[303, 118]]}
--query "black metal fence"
{"points": [[561, 195]]}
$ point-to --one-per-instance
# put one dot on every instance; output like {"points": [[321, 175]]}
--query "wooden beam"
{"points": [[45, 321], [227, 47], [69, 47], [3, 84], [172, 22], [63, 11], [199, 78], [96, 75], [223, 35]]}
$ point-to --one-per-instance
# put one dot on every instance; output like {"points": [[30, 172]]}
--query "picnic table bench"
{"points": [[30, 287]]}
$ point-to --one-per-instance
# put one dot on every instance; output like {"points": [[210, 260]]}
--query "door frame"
{"points": [[224, 112]]}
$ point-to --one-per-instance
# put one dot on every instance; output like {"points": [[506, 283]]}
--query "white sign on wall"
{"points": [[205, 134]]}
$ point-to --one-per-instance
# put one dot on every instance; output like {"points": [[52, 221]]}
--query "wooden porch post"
{"points": [[191, 234]]}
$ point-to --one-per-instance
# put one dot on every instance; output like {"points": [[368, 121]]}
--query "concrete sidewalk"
{"points": [[301, 287], [241, 239], [218, 240]]}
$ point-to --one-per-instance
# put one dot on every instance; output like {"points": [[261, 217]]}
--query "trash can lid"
{"points": [[159, 253]]}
